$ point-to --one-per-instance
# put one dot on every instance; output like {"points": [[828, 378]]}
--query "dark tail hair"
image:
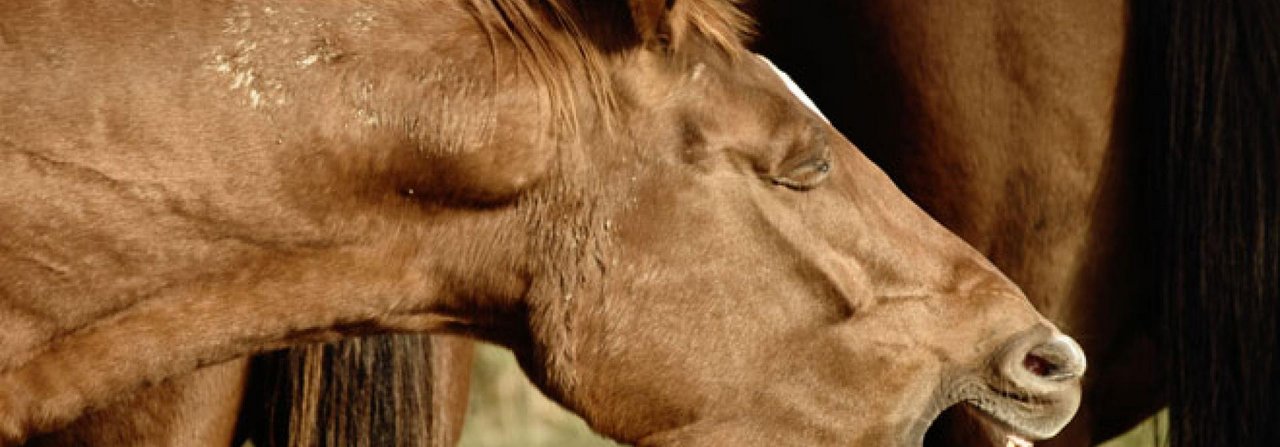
{"points": [[1207, 79], [369, 391]]}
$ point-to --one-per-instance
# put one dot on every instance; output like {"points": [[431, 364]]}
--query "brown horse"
{"points": [[1118, 161], [673, 245]]}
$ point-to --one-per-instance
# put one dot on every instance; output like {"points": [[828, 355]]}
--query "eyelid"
{"points": [[805, 176]]}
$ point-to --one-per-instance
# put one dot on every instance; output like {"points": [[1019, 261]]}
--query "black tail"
{"points": [[1207, 78], [370, 391]]}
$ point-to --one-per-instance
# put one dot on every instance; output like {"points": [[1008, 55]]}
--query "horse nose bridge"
{"points": [[969, 276], [941, 258]]}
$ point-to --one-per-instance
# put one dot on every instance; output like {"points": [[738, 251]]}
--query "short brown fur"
{"points": [[653, 226]]}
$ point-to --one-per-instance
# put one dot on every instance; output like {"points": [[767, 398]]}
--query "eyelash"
{"points": [[820, 168]]}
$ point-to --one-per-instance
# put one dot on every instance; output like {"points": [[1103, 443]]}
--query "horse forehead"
{"points": [[792, 87]]}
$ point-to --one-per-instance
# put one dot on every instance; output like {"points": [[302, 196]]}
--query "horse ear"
{"points": [[650, 18]]}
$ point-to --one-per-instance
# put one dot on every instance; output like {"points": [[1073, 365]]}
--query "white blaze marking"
{"points": [[795, 89]]}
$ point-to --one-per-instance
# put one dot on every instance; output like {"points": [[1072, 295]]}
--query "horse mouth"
{"points": [[1016, 441], [1001, 417], [1030, 395], [1018, 420]]}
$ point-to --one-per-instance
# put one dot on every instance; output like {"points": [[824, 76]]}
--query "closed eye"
{"points": [[806, 175]]}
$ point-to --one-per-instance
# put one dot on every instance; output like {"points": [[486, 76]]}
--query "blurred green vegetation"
{"points": [[506, 411], [1150, 433]]}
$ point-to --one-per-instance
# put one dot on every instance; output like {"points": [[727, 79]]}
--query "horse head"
{"points": [[709, 262]]}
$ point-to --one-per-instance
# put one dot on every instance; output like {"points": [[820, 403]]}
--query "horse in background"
{"points": [[359, 386], [1118, 160], [619, 192]]}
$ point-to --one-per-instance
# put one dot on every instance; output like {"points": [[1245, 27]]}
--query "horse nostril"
{"points": [[1059, 359], [1038, 365]]}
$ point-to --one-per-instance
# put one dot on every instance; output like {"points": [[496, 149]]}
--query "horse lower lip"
{"points": [[1014, 433], [1016, 441]]}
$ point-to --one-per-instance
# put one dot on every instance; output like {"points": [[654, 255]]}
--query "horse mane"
{"points": [[367, 391], [567, 43], [1207, 78], [376, 390]]}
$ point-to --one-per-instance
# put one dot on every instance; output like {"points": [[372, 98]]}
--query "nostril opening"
{"points": [[1058, 360], [1040, 366], [1040, 363]]}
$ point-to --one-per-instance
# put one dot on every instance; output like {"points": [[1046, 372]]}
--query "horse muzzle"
{"points": [[1032, 389]]}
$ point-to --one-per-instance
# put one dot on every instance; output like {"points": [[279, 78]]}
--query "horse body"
{"points": [[619, 193]]}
